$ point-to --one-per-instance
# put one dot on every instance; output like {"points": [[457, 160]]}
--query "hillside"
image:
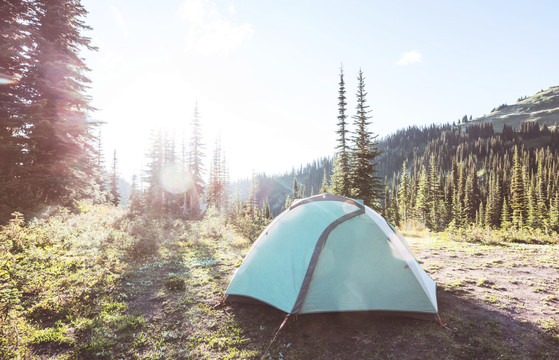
{"points": [[541, 108]]}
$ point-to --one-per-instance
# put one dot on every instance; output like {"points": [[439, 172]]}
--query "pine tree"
{"points": [[296, 190], [404, 194], [15, 16], [341, 184], [435, 195], [533, 220], [61, 149], [481, 215], [366, 184], [115, 195], [135, 200], [554, 212], [517, 192], [196, 166], [493, 209], [324, 185], [423, 201], [394, 206], [472, 196], [266, 211], [252, 203], [154, 195], [505, 215], [225, 184], [542, 212], [215, 183]]}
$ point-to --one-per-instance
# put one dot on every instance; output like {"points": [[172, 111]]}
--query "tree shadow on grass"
{"points": [[475, 331]]}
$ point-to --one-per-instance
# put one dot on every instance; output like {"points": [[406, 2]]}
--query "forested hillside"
{"points": [[459, 174]]}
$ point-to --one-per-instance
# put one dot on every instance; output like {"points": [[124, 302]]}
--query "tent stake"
{"points": [[274, 338], [441, 323]]}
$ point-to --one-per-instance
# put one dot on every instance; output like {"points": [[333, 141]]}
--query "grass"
{"points": [[80, 286]]}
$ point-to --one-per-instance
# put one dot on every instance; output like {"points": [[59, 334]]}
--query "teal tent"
{"points": [[330, 253]]}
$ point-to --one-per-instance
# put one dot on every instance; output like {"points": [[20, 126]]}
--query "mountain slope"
{"points": [[542, 108]]}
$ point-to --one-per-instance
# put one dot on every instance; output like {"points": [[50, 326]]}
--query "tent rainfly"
{"points": [[328, 253]]}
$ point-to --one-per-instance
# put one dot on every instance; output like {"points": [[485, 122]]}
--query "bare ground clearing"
{"points": [[497, 301]]}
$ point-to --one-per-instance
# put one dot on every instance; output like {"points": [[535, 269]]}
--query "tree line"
{"points": [[478, 177]]}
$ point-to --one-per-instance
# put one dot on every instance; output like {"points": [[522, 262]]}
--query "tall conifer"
{"points": [[340, 181], [404, 193], [196, 166], [518, 199], [366, 184]]}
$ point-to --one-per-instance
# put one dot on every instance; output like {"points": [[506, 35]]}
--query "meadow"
{"points": [[99, 283]]}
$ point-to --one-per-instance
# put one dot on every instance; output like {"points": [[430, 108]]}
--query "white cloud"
{"points": [[410, 57], [120, 20], [209, 32]]}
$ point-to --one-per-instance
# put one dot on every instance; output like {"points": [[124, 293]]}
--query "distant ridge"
{"points": [[541, 108]]}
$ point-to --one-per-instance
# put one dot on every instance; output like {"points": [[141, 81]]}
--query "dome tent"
{"points": [[330, 253]]}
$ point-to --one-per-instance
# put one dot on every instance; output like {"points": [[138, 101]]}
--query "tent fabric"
{"points": [[330, 253]]}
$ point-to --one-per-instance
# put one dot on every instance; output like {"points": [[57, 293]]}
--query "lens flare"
{"points": [[7, 79], [174, 179], [348, 207]]}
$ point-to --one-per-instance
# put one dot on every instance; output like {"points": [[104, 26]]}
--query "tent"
{"points": [[329, 253]]}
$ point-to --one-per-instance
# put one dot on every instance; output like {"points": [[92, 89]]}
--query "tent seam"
{"points": [[316, 253]]}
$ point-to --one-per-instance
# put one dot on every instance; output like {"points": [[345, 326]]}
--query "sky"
{"points": [[264, 74]]}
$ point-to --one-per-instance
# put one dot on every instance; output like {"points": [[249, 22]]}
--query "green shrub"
{"points": [[499, 236], [146, 238], [173, 282]]}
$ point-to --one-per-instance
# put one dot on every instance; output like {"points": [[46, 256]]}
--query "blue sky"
{"points": [[265, 73]]}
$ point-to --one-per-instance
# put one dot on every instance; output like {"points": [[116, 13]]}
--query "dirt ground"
{"points": [[519, 281], [497, 302]]}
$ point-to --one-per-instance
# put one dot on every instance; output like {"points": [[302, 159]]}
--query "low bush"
{"points": [[173, 282], [146, 238], [498, 236]]}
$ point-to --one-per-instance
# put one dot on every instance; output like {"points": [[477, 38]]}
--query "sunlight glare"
{"points": [[7, 80], [174, 179]]}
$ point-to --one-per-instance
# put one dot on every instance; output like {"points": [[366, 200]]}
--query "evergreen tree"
{"points": [[481, 215], [554, 212], [215, 191], [296, 190], [493, 209], [154, 196], [225, 184], [366, 184], [252, 202], [517, 192], [115, 195], [60, 148], [196, 167], [15, 16], [435, 196], [533, 220], [341, 184], [266, 211], [404, 194], [423, 201], [135, 200], [324, 186], [505, 215], [472, 196], [542, 212]]}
